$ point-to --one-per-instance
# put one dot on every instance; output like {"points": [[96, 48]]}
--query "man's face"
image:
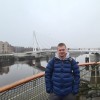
{"points": [[62, 51]]}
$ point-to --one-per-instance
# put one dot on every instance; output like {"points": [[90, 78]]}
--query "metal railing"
{"points": [[31, 88]]}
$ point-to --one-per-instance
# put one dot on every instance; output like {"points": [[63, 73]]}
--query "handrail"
{"points": [[7, 87], [90, 63]]}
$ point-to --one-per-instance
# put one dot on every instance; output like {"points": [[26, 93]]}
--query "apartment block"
{"points": [[5, 47]]}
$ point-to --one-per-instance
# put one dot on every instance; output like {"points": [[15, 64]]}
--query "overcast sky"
{"points": [[75, 22]]}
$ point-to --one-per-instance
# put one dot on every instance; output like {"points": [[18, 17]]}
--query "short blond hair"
{"points": [[61, 44]]}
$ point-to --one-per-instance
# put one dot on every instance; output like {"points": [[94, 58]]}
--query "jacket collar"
{"points": [[67, 56]]}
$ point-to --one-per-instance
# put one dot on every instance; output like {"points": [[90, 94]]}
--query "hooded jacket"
{"points": [[62, 76]]}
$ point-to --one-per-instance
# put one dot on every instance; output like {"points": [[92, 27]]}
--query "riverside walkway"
{"points": [[33, 87]]}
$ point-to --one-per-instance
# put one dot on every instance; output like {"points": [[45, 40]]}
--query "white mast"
{"points": [[35, 43]]}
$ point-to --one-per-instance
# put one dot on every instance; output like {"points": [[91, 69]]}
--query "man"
{"points": [[62, 76]]}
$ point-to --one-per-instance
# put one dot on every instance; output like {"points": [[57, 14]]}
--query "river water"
{"points": [[10, 73]]}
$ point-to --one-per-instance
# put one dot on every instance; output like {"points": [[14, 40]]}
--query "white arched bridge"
{"points": [[47, 52]]}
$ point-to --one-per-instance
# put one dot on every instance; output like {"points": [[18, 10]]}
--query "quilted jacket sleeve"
{"points": [[76, 75], [48, 76]]}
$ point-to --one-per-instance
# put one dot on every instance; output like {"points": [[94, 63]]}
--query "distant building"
{"points": [[53, 48], [28, 49], [18, 49], [5, 47]]}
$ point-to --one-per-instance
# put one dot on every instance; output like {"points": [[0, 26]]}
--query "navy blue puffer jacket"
{"points": [[62, 77]]}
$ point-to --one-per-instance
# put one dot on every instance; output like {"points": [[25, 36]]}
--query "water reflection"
{"points": [[4, 70], [4, 67], [13, 71]]}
